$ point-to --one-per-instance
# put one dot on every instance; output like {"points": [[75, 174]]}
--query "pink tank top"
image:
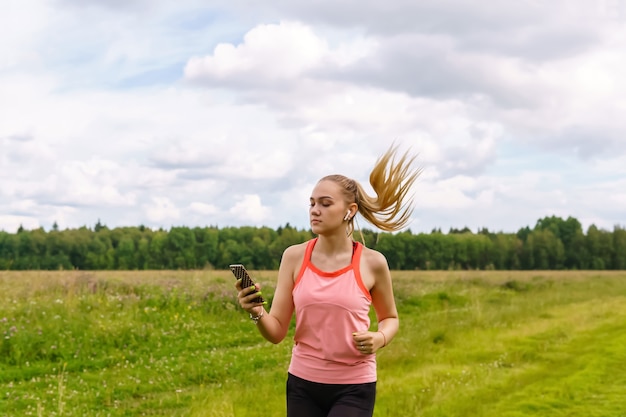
{"points": [[330, 306]]}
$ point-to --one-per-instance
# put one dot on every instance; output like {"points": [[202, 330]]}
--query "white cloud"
{"points": [[203, 208], [23, 21], [268, 52], [251, 209], [11, 223], [274, 56], [228, 115], [161, 211]]}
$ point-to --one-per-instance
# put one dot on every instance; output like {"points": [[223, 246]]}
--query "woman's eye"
{"points": [[323, 204]]}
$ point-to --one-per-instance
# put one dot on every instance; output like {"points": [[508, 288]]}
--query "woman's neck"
{"points": [[333, 244]]}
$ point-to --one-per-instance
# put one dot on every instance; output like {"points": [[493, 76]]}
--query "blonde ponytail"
{"points": [[391, 179]]}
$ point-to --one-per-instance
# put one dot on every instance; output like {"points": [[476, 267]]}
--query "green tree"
{"points": [[5, 250], [554, 243], [98, 251], [548, 251], [125, 254], [509, 252], [418, 251], [142, 257], [619, 245], [394, 247], [231, 252], [600, 247], [568, 232], [157, 259]]}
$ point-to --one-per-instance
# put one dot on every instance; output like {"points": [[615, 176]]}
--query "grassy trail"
{"points": [[482, 344], [550, 348]]}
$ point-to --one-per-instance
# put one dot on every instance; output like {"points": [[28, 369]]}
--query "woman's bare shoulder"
{"points": [[295, 252], [374, 260]]}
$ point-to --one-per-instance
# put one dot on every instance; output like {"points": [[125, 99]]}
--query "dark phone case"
{"points": [[240, 273]]}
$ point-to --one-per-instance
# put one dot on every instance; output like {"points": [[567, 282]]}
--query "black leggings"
{"points": [[312, 399]]}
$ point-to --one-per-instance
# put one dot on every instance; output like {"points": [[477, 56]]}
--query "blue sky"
{"points": [[224, 113]]}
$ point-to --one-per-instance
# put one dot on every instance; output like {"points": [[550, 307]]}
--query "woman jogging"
{"points": [[330, 282]]}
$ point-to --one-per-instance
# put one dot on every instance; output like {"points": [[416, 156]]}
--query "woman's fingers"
{"points": [[364, 341], [247, 296], [252, 295]]}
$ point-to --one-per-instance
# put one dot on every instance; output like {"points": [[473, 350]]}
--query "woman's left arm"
{"points": [[382, 299]]}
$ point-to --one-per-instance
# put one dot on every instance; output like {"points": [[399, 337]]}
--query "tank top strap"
{"points": [[357, 248], [306, 260], [356, 267]]}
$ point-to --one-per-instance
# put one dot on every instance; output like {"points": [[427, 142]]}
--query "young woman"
{"points": [[331, 282]]}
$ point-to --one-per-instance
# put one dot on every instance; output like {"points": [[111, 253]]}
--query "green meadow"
{"points": [[175, 343]]}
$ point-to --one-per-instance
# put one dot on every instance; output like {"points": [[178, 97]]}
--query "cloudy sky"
{"points": [[224, 113]]}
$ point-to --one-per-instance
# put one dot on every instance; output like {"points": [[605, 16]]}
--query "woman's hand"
{"points": [[246, 297], [368, 342]]}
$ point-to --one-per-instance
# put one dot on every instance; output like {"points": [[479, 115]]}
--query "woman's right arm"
{"points": [[275, 324]]}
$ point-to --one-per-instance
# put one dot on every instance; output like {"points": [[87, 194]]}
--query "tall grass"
{"points": [[176, 344]]}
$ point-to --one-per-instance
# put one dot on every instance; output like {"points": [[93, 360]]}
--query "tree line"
{"points": [[553, 243]]}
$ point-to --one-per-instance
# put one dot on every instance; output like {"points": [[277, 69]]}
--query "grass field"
{"points": [[492, 344]]}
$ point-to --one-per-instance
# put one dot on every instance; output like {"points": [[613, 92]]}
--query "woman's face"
{"points": [[328, 208]]}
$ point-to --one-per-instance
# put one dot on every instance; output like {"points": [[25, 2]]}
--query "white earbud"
{"points": [[347, 215]]}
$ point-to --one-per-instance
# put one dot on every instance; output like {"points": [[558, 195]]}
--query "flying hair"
{"points": [[391, 179]]}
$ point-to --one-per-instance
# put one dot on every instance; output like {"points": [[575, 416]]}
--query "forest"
{"points": [[553, 243]]}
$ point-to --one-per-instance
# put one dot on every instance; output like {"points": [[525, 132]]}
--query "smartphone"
{"points": [[240, 273]]}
